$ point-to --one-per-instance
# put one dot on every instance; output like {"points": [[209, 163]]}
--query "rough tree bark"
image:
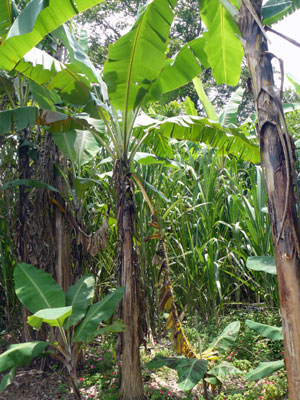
{"points": [[128, 273], [277, 157]]}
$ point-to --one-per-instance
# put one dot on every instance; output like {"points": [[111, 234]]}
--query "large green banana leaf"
{"points": [[20, 354], [97, 312], [137, 58], [176, 73], [36, 289], [39, 66], [198, 129], [223, 47], [66, 79], [21, 118], [51, 316], [79, 297], [45, 98], [80, 146], [275, 10], [190, 371], [38, 18], [264, 369], [226, 339], [77, 54], [268, 331]]}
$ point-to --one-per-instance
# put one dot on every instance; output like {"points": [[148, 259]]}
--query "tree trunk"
{"points": [[128, 273], [277, 157]]}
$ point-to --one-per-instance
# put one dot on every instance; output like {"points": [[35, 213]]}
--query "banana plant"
{"points": [[192, 370], [72, 314]]}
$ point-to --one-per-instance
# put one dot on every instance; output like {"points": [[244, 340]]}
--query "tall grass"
{"points": [[214, 214]]}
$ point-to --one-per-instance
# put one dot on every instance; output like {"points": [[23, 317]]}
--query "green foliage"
{"points": [[41, 295], [137, 58], [79, 296], [34, 22], [274, 388], [220, 372], [97, 312], [271, 332], [275, 10], [225, 340], [51, 316], [18, 355], [6, 18], [264, 369], [28, 183], [262, 263], [224, 59], [78, 145], [201, 130], [190, 371], [36, 289]]}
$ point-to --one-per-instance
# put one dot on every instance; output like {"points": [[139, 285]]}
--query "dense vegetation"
{"points": [[130, 169]]}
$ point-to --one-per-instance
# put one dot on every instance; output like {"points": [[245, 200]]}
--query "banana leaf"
{"points": [[223, 46], [268, 331], [18, 355], [24, 117], [223, 370], [79, 297], [262, 263], [5, 17], [97, 313], [38, 18], [65, 79], [202, 130], [51, 316], [275, 10], [190, 370], [36, 289], [225, 340], [228, 116], [136, 59], [264, 369], [80, 146]]}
